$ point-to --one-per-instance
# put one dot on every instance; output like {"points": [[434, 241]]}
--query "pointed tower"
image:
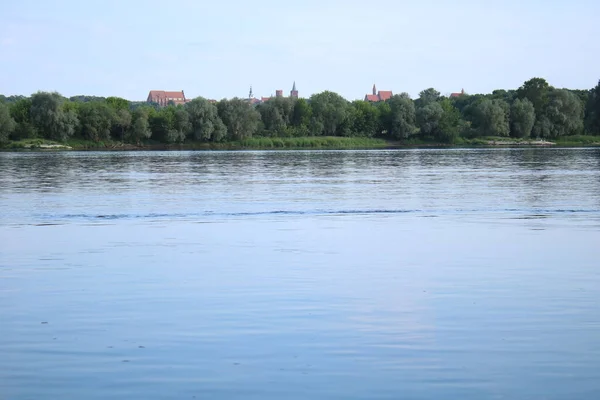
{"points": [[250, 95], [374, 90], [294, 91]]}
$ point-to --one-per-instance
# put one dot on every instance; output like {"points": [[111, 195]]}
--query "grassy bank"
{"points": [[71, 144], [252, 143], [564, 141], [480, 141], [313, 142], [268, 143], [327, 142], [505, 141], [578, 140], [35, 144]]}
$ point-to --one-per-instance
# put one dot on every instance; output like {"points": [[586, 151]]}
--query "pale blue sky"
{"points": [[216, 49]]}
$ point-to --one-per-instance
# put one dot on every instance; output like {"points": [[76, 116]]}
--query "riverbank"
{"points": [[258, 143], [297, 143]]}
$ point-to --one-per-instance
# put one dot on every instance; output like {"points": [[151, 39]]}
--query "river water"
{"points": [[413, 274]]}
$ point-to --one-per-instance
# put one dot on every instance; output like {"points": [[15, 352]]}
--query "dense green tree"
{"points": [[427, 96], [552, 113], [276, 115], [285, 106], [272, 119], [7, 123], [11, 99], [563, 115], [134, 105], [582, 95], [205, 123], [506, 95], [95, 120], [51, 117], [401, 120], [170, 124], [162, 125], [85, 99], [301, 113], [122, 122], [492, 118], [385, 117], [450, 123], [522, 118], [140, 128], [241, 118], [465, 103], [316, 127], [366, 119], [536, 91], [181, 126], [21, 113], [117, 103], [592, 114], [330, 113], [428, 119]]}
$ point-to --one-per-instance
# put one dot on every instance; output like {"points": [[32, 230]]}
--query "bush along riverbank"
{"points": [[534, 114], [306, 143], [258, 143]]}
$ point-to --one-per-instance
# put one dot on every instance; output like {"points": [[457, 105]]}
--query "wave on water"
{"points": [[229, 214], [513, 213]]}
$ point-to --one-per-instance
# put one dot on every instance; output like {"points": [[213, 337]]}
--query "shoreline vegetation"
{"points": [[305, 143], [535, 114]]}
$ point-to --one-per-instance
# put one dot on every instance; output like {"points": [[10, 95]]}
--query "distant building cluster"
{"points": [[462, 92], [278, 93], [376, 96], [164, 98]]}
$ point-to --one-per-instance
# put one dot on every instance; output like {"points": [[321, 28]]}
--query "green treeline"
{"points": [[536, 109]]}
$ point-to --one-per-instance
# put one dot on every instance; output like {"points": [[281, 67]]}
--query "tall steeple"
{"points": [[250, 95], [294, 91], [374, 90]]}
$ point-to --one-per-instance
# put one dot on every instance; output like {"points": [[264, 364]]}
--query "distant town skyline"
{"points": [[217, 49]]}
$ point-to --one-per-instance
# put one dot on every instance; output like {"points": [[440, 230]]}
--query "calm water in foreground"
{"points": [[418, 274]]}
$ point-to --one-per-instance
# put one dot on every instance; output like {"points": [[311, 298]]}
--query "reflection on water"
{"points": [[312, 274]]}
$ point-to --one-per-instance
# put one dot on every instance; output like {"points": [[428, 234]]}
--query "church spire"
{"points": [[374, 90], [250, 95], [294, 91]]}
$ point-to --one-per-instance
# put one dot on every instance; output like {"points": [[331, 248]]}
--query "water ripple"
{"points": [[523, 213]]}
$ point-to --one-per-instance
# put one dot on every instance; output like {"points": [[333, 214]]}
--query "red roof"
{"points": [[161, 94], [382, 95], [163, 97], [263, 99], [175, 95], [455, 94], [385, 95]]}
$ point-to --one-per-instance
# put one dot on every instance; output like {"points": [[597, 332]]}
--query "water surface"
{"points": [[415, 274]]}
